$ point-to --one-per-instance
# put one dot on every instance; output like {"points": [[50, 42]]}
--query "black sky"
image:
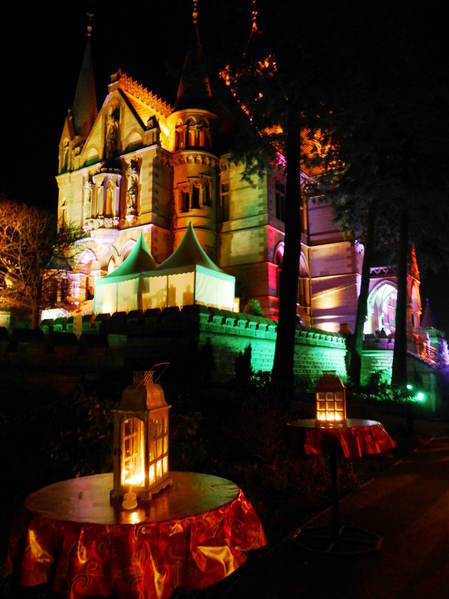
{"points": [[41, 46]]}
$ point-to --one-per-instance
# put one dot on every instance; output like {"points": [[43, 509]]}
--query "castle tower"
{"points": [[194, 161]]}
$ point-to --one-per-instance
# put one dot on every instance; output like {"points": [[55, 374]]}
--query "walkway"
{"points": [[408, 505]]}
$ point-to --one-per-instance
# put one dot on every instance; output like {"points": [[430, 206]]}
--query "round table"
{"points": [[192, 534], [352, 439]]}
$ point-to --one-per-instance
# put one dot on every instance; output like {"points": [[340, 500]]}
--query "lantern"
{"points": [[140, 454], [330, 399]]}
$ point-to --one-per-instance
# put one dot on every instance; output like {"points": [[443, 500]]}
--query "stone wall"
{"points": [[172, 334], [420, 373]]}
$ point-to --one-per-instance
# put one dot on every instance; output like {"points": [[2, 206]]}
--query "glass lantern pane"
{"points": [[151, 474], [339, 395], [132, 460], [165, 465], [152, 450], [329, 395], [165, 444], [159, 447], [159, 469]]}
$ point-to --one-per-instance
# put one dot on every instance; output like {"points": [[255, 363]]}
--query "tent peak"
{"points": [[189, 253], [139, 260]]}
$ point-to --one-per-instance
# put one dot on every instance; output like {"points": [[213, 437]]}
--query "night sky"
{"points": [[41, 48]]}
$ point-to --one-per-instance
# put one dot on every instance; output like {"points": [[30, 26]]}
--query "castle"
{"points": [[141, 165]]}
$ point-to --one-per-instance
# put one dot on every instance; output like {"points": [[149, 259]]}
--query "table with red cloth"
{"points": [[355, 437], [191, 535], [352, 439]]}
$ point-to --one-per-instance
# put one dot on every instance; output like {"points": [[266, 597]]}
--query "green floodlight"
{"points": [[420, 396], [409, 386]]}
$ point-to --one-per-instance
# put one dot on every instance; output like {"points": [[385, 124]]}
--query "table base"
{"points": [[347, 541]]}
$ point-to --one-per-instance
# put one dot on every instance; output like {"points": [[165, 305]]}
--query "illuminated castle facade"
{"points": [[140, 165]]}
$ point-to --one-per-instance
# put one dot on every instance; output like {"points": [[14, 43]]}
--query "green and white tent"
{"points": [[119, 290], [187, 277]]}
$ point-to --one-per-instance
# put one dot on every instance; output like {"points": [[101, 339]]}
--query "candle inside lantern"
{"points": [[141, 440], [330, 399], [133, 470]]}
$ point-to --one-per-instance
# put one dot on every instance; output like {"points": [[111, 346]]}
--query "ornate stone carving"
{"points": [[87, 200], [132, 189], [112, 132], [101, 222]]}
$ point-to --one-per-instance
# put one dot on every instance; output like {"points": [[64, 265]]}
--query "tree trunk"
{"points": [[36, 304], [362, 304], [399, 376], [34, 315], [285, 341]]}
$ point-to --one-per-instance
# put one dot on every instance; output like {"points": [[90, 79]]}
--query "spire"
{"points": [[427, 320], [254, 13], [195, 13], [84, 109], [194, 89]]}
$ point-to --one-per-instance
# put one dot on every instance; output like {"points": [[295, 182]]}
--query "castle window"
{"points": [[206, 194], [185, 201], [195, 197], [202, 138], [280, 201], [224, 201], [180, 139], [192, 137]]}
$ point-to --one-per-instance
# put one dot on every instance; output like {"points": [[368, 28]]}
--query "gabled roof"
{"points": [[84, 108], [189, 253], [139, 260], [144, 102]]}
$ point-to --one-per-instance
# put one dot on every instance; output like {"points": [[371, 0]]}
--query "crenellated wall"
{"points": [[170, 333]]}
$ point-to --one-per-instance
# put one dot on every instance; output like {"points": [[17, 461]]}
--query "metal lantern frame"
{"points": [[141, 439], [330, 399]]}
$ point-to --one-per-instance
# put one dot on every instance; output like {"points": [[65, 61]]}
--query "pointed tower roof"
{"points": [[139, 260], [84, 108], [189, 253], [427, 320], [194, 90]]}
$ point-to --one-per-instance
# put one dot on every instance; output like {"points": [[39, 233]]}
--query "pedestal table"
{"points": [[191, 535], [353, 438]]}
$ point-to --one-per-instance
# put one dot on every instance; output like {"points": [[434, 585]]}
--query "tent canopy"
{"points": [[139, 260], [187, 277], [189, 253]]}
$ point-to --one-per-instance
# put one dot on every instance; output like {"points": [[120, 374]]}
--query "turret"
{"points": [[195, 163]]}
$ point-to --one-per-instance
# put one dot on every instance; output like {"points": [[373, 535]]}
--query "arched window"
{"points": [[279, 260], [279, 254], [303, 282], [195, 196], [111, 265], [84, 265], [382, 309], [192, 137]]}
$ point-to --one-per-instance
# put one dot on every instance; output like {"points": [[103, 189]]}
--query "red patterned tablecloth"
{"points": [[191, 535], [356, 438]]}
